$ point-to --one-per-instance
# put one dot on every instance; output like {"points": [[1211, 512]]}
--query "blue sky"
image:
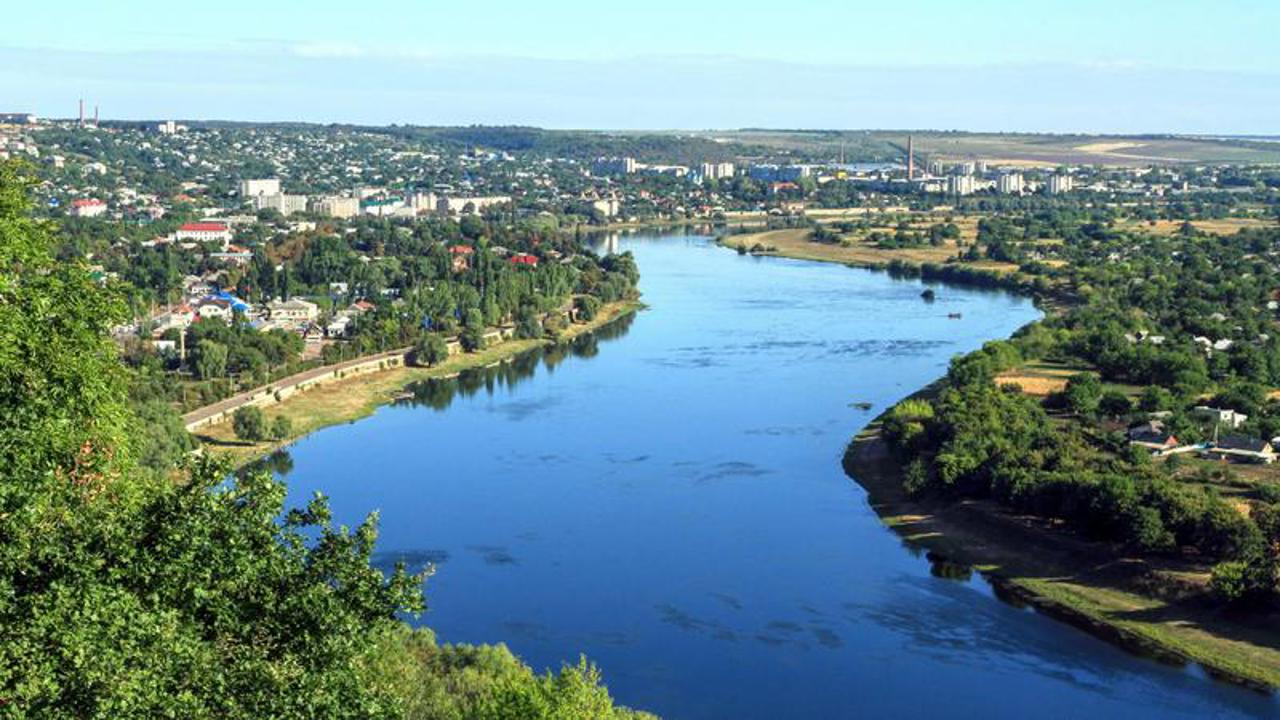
{"points": [[1118, 66]]}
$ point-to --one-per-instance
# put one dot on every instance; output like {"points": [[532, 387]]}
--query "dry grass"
{"points": [[1108, 147], [1222, 226], [795, 243], [360, 395], [1038, 379], [1035, 385]]}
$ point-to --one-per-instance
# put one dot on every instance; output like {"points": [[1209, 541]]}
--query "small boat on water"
{"points": [[954, 316]]}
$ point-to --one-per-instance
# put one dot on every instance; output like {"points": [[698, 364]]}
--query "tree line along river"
{"points": [[667, 497]]}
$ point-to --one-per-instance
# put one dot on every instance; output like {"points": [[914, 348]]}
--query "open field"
{"points": [[1221, 226], [1038, 150], [1037, 379], [795, 243], [1042, 150], [1013, 149], [360, 395], [1144, 605]]}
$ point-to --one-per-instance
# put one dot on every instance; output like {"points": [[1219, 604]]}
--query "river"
{"points": [[668, 499]]}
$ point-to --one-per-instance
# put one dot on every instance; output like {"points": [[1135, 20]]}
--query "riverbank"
{"points": [[360, 395], [796, 243], [1150, 608], [1147, 607]]}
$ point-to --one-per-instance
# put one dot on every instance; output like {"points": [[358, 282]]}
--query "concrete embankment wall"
{"points": [[288, 387]]}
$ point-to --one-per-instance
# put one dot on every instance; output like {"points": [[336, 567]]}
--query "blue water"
{"points": [[670, 502]]}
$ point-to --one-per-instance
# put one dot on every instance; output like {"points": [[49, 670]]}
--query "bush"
{"points": [[587, 307], [1114, 404], [1248, 581], [553, 326], [915, 479], [528, 326], [430, 350], [249, 423], [1147, 531], [281, 428], [484, 682], [1083, 393]]}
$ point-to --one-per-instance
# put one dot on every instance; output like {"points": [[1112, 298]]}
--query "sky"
{"points": [[1126, 66]]}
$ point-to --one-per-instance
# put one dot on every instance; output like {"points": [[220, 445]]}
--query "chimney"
{"points": [[911, 159], [95, 116], [81, 112]]}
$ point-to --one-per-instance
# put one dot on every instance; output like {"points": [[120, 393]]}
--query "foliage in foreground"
{"points": [[125, 594], [447, 682]]}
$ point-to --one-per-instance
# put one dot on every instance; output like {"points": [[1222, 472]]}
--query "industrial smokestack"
{"points": [[95, 116], [911, 159], [82, 112]]}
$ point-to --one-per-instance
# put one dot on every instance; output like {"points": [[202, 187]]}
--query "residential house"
{"points": [[1152, 436], [1220, 416], [213, 308], [294, 310], [461, 257], [1241, 449], [88, 207], [179, 318]]}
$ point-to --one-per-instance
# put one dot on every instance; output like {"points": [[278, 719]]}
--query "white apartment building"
{"points": [[468, 205], [608, 207], [253, 188], [337, 206], [1059, 184], [423, 202], [960, 185], [1010, 184], [717, 171], [285, 204]]}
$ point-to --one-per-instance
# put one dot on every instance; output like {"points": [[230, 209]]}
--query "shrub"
{"points": [[430, 350], [1250, 580], [528, 326], [249, 423], [587, 307], [281, 428]]}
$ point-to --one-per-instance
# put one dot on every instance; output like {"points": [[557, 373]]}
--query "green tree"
{"points": [[1250, 580], [249, 423], [131, 596], [431, 349], [472, 336], [587, 307], [1114, 403], [527, 323], [1083, 393], [210, 360], [281, 428]]}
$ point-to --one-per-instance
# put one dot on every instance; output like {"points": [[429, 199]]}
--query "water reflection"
{"points": [[941, 567], [676, 509], [279, 462], [439, 393]]}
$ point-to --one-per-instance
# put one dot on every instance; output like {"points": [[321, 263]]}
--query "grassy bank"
{"points": [[1153, 608], [796, 243], [360, 395]]}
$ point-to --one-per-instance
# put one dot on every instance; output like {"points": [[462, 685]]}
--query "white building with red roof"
{"points": [[88, 207], [205, 232]]}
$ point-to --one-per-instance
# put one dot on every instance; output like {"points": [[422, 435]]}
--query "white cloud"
{"points": [[327, 50]]}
